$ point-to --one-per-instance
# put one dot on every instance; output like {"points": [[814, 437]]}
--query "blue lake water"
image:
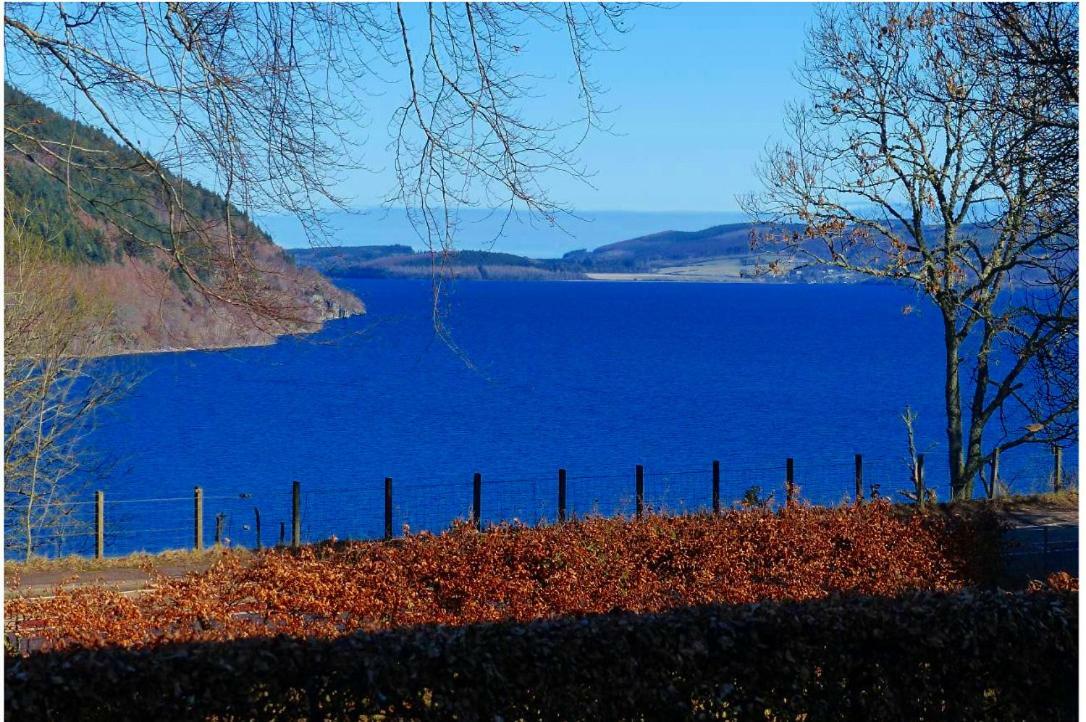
{"points": [[592, 377]]}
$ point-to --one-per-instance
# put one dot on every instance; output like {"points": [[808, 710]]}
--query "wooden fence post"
{"points": [[790, 482], [716, 486], [640, 490], [920, 492], [1057, 472], [388, 507], [477, 501], [198, 511], [99, 524], [994, 487], [256, 513], [561, 495], [296, 515], [859, 479]]}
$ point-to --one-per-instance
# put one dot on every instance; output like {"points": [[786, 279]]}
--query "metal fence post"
{"points": [[561, 495], [790, 482], [99, 524], [994, 489], [640, 490], [477, 500], [198, 511], [296, 515], [1057, 472], [920, 492], [859, 479], [219, 519], [256, 513], [388, 507], [716, 486]]}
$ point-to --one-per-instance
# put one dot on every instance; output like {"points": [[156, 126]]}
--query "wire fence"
{"points": [[310, 511]]}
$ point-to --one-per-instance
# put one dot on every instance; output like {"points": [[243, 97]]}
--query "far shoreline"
{"points": [[619, 278]]}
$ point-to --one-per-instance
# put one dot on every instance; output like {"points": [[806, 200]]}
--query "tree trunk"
{"points": [[954, 433], [974, 457], [974, 461]]}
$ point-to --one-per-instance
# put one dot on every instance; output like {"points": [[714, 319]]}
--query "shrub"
{"points": [[1058, 581], [960, 656], [515, 573]]}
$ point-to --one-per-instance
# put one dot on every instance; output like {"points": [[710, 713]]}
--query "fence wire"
{"points": [[356, 511]]}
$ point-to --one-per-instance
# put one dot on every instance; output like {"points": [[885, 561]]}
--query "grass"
{"points": [[1021, 503], [1065, 499], [138, 560]]}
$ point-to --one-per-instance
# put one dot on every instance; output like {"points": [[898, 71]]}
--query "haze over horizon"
{"points": [[684, 136], [489, 230]]}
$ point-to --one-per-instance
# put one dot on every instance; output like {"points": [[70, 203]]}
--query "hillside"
{"points": [[719, 253], [398, 261], [153, 305], [666, 247], [716, 254]]}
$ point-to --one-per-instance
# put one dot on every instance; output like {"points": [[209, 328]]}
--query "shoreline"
{"points": [[239, 344], [620, 278], [589, 278]]}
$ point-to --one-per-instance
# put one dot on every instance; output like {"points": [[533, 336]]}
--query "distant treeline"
{"points": [[643, 254]]}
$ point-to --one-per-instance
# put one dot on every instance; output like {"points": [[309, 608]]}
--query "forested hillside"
{"points": [[107, 221], [718, 253], [399, 261]]}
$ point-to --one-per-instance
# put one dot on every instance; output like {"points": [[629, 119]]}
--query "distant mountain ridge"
{"points": [[720, 253], [733, 237], [493, 229], [154, 307], [398, 261], [651, 254], [644, 252]]}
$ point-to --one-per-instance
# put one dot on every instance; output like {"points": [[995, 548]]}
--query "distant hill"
{"points": [[154, 306], [399, 261], [667, 247], [718, 253], [519, 233]]}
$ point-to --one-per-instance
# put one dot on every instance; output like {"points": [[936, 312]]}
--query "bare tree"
{"points": [[939, 148], [52, 331], [269, 99], [921, 494]]}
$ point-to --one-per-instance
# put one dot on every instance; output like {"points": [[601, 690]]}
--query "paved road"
{"points": [[123, 579], [1039, 544]]}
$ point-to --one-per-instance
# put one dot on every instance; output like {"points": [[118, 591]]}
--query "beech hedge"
{"points": [[510, 573], [923, 655]]}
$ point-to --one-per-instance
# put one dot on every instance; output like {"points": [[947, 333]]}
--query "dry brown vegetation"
{"points": [[519, 574]]}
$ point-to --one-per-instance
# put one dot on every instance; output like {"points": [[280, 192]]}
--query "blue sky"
{"points": [[695, 89], [698, 90]]}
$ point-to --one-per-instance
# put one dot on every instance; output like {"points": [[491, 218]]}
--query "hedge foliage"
{"points": [[516, 573], [920, 656]]}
